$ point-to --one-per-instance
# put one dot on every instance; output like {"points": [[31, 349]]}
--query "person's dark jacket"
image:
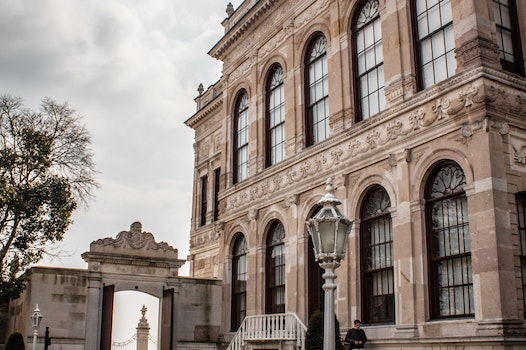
{"points": [[354, 335]]}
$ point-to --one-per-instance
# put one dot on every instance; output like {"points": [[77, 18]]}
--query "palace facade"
{"points": [[417, 111]]}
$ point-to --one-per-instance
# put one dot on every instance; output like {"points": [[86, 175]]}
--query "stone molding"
{"points": [[243, 25], [132, 248], [359, 141]]}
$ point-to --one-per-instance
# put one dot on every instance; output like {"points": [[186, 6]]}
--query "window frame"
{"points": [[239, 291], [204, 200], [271, 88], [217, 183], [310, 135], [520, 199], [375, 211], [516, 67], [435, 261], [418, 52], [357, 85], [275, 240], [240, 111]]}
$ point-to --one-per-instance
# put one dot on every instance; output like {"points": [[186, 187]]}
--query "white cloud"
{"points": [[131, 68]]}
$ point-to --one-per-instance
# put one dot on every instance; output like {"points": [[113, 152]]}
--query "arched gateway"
{"points": [[131, 261]]}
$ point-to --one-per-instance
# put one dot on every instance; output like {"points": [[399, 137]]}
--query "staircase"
{"points": [[270, 328]]}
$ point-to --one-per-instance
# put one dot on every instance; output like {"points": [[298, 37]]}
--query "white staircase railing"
{"points": [[270, 327]]}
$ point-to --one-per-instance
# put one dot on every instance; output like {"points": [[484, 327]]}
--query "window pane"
{"points": [[436, 43], [369, 60], [451, 292], [318, 89], [376, 245], [275, 269]]}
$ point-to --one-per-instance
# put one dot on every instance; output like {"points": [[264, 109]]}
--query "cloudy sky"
{"points": [[131, 68]]}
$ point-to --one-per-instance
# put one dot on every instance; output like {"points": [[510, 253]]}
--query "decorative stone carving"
{"points": [[291, 200], [134, 239], [519, 153], [479, 51], [485, 124]]}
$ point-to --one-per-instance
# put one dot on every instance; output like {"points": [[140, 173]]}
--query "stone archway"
{"points": [[131, 261]]}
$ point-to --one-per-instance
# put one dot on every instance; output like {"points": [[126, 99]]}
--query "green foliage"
{"points": [[314, 337], [46, 169], [15, 342]]}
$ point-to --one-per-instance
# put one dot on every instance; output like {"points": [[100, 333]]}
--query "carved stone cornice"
{"points": [[403, 121], [210, 108], [254, 15], [132, 248]]}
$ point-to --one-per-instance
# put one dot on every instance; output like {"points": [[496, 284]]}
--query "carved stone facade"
{"points": [[476, 119]]}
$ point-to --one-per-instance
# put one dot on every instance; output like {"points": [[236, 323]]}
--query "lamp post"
{"points": [[329, 229], [36, 318]]}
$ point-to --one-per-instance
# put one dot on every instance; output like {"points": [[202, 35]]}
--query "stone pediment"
{"points": [[133, 247]]}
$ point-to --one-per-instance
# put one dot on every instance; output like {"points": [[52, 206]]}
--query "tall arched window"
{"points": [[449, 243], [521, 219], [275, 117], [241, 138], [275, 270], [239, 282], [315, 294], [435, 41], [368, 53], [376, 234], [508, 37], [317, 98]]}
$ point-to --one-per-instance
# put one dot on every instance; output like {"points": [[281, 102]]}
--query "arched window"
{"points": [[521, 219], [508, 37], [241, 138], [435, 41], [317, 98], [239, 282], [376, 241], [314, 294], [368, 54], [275, 117], [275, 269], [449, 244]]}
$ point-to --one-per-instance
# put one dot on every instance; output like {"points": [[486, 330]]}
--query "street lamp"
{"points": [[329, 229], [36, 318]]}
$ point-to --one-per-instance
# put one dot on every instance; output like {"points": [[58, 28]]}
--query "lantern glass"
{"points": [[36, 317]]}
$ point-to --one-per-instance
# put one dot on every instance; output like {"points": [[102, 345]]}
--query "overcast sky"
{"points": [[131, 68]]}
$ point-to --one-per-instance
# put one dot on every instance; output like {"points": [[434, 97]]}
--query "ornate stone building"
{"points": [[417, 110]]}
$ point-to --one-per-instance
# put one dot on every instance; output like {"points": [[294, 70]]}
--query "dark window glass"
{"points": [[435, 41], [377, 258], [521, 217], [449, 244], [217, 178], [276, 269], [369, 60], [275, 117], [317, 91], [508, 38], [241, 138], [204, 200], [239, 282]]}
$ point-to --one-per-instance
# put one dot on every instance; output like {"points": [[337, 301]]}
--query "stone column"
{"points": [[492, 250], [143, 331], [93, 312]]}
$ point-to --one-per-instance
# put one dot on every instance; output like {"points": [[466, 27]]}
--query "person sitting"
{"points": [[356, 336]]}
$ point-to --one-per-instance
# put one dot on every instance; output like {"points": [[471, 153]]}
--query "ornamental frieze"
{"points": [[351, 147], [205, 238]]}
